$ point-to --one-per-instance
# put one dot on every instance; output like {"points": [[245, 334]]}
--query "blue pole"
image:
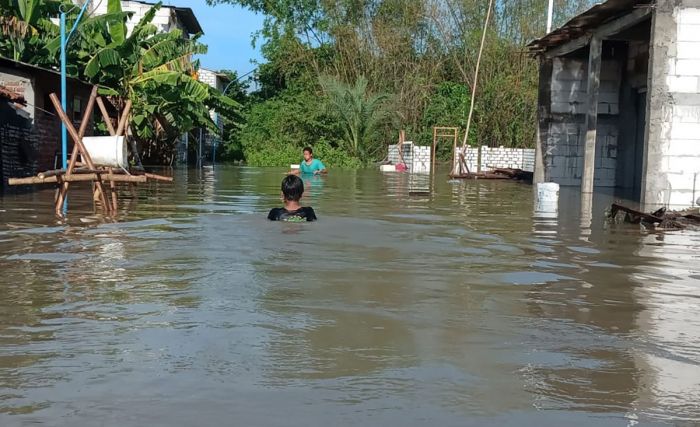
{"points": [[64, 132], [64, 95]]}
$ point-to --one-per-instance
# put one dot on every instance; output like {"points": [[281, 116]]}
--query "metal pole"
{"points": [[199, 155], [64, 96], [64, 132], [550, 12]]}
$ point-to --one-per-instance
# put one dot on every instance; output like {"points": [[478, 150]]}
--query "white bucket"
{"points": [[107, 150], [547, 199], [293, 167], [387, 168]]}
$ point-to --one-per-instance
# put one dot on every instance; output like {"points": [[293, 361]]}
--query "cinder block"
{"points": [[688, 67], [684, 147], [689, 33], [688, 16], [687, 165], [682, 84], [688, 50], [687, 131]]}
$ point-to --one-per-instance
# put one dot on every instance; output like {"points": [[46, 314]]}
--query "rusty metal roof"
{"points": [[586, 22]]}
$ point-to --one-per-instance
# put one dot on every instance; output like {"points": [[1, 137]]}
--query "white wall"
{"points": [[500, 157], [673, 148], [165, 19], [416, 157]]}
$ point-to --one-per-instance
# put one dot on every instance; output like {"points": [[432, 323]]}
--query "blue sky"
{"points": [[227, 32]]}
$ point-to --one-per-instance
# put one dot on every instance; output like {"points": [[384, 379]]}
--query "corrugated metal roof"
{"points": [[586, 22]]}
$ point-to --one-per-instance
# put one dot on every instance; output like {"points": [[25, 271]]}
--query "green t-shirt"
{"points": [[315, 165]]}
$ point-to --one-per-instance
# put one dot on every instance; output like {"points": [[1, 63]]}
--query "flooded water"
{"points": [[398, 307]]}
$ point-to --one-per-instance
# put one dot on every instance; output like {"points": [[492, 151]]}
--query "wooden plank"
{"points": [[52, 179], [636, 215], [123, 178], [594, 63], [158, 177]]}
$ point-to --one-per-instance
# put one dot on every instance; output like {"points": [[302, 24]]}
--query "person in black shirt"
{"points": [[292, 190]]}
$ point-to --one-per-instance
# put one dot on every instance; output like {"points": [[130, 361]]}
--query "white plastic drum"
{"points": [[107, 150]]}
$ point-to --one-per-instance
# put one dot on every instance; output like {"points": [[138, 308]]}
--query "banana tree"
{"points": [[156, 71], [27, 29]]}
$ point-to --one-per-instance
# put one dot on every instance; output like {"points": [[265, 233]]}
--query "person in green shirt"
{"points": [[309, 165]]}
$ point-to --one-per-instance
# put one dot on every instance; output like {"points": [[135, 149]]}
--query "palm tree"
{"points": [[360, 113]]}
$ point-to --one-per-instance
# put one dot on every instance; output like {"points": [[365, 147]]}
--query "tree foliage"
{"points": [[155, 70], [421, 53]]}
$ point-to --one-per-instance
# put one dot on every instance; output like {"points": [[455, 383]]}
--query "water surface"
{"points": [[398, 307]]}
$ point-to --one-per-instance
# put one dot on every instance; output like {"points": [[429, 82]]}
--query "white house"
{"points": [[166, 19]]}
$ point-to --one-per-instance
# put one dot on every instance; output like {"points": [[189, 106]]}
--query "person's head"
{"points": [[308, 153], [292, 188]]}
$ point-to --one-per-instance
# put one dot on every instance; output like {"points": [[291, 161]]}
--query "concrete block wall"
{"points": [[500, 157], [564, 146], [417, 158], [421, 159], [569, 86], [471, 157], [672, 173]]}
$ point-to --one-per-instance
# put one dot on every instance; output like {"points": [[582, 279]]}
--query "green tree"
{"points": [[27, 30], [153, 70], [359, 114]]}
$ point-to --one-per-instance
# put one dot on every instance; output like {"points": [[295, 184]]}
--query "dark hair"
{"points": [[309, 150], [292, 188]]}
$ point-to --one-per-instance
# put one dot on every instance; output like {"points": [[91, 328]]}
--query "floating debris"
{"points": [[661, 218]]}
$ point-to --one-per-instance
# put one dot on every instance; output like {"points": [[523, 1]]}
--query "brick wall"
{"points": [[16, 147]]}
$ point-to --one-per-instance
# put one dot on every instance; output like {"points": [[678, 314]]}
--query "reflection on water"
{"points": [[400, 306]]}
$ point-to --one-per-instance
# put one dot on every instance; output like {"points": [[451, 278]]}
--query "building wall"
{"points": [[165, 19], [672, 148], [565, 130], [30, 137], [20, 83]]}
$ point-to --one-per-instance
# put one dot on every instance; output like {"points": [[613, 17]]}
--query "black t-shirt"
{"points": [[299, 215]]}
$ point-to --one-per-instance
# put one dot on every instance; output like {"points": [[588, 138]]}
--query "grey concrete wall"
{"points": [[672, 147], [565, 131]]}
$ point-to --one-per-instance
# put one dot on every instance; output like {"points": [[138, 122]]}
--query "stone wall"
{"points": [[672, 169]]}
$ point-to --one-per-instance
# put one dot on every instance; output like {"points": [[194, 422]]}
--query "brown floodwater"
{"points": [[398, 307]]}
